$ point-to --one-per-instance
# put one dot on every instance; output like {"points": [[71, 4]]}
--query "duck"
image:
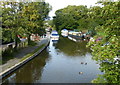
{"points": [[81, 62], [80, 72], [85, 63]]}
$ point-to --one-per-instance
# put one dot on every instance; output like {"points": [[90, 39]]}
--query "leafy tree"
{"points": [[77, 17], [68, 17], [105, 54], [23, 18], [34, 14], [10, 21]]}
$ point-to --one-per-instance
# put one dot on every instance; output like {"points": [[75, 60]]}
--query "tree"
{"points": [[68, 17], [34, 14], [23, 18], [78, 17], [10, 21], [105, 54]]}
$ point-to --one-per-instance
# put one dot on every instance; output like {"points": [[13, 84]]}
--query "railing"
{"points": [[12, 45]]}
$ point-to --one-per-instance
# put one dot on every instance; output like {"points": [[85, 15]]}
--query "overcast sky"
{"points": [[58, 4]]}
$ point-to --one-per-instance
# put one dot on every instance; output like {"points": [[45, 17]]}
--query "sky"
{"points": [[58, 4]]}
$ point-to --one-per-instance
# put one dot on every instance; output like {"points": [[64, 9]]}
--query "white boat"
{"points": [[54, 35], [73, 33], [64, 32]]}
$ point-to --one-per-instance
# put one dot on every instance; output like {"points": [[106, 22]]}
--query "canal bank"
{"points": [[23, 57], [64, 61]]}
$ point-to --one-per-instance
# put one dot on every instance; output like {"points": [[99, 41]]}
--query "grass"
{"points": [[31, 54], [7, 55], [0, 62], [32, 43]]}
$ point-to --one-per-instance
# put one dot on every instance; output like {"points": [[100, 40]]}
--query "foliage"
{"points": [[104, 53], [32, 43], [77, 17], [7, 55], [66, 18], [22, 18], [35, 13], [50, 22]]}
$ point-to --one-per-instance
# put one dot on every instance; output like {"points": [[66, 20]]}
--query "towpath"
{"points": [[22, 53]]}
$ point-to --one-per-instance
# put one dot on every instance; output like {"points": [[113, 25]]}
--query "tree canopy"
{"points": [[23, 18], [107, 50], [77, 17]]}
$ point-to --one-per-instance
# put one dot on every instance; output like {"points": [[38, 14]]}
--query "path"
{"points": [[21, 54]]}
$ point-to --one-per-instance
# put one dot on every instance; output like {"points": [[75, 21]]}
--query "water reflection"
{"points": [[54, 41], [72, 48], [31, 71], [59, 63]]}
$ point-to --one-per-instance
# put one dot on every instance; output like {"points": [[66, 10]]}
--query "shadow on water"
{"points": [[71, 48], [29, 72]]}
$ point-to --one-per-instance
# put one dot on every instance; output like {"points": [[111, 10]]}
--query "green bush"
{"points": [[7, 54], [32, 43]]}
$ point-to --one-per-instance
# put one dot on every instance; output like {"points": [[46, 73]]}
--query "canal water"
{"points": [[64, 61]]}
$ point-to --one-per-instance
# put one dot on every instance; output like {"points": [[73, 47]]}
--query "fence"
{"points": [[12, 45]]}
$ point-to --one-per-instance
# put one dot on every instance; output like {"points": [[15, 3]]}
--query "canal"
{"points": [[64, 61]]}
